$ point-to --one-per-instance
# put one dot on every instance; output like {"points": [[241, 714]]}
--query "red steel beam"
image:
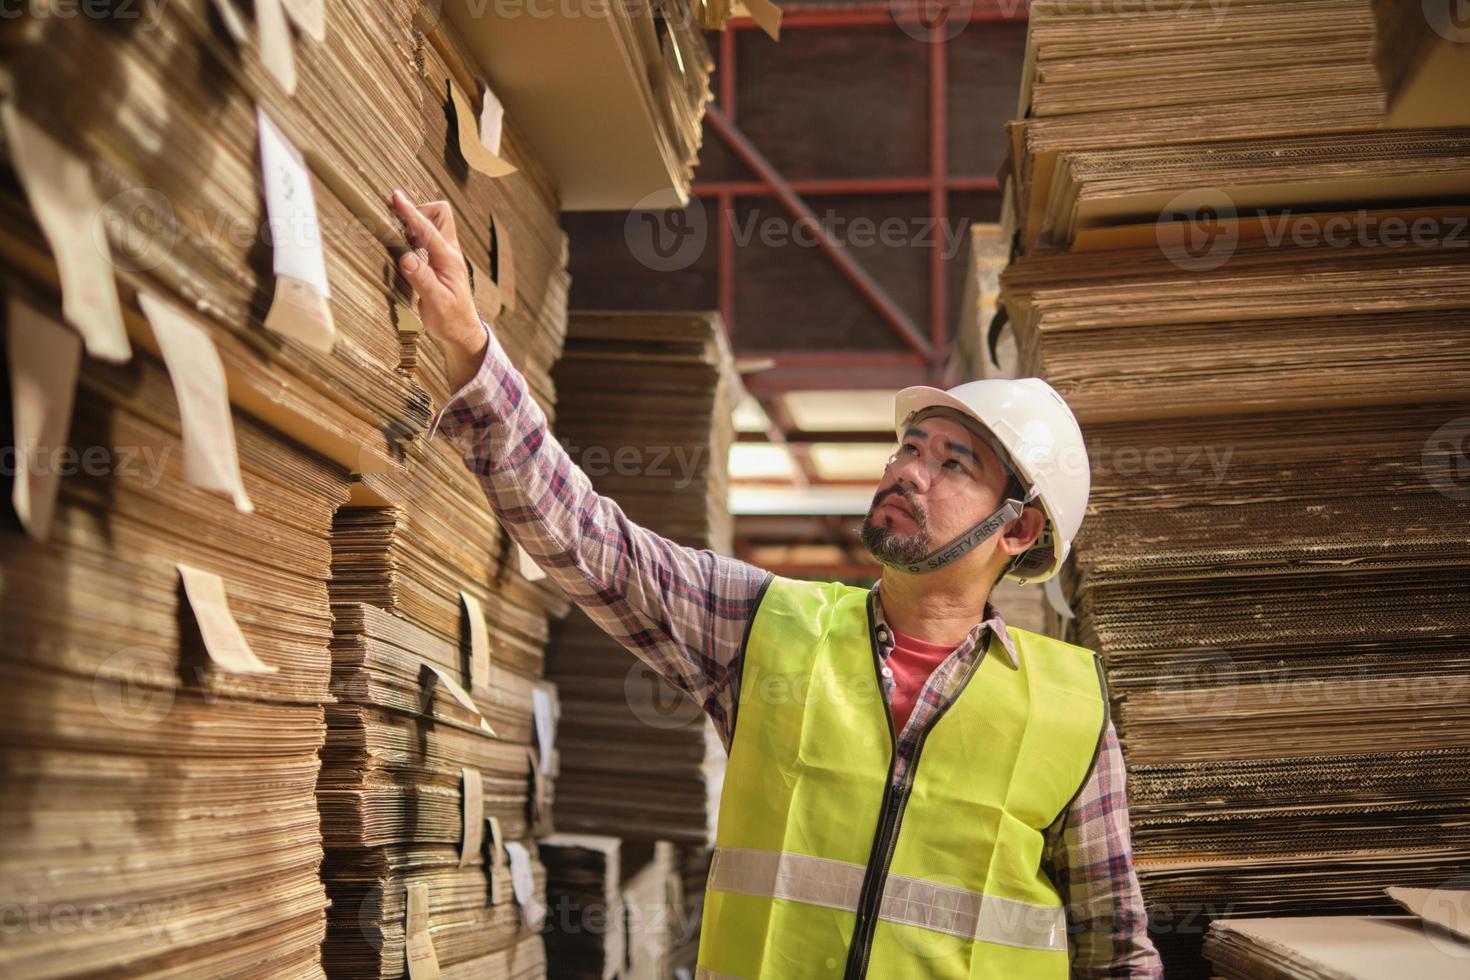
{"points": [[938, 196], [878, 14], [875, 294], [725, 235], [846, 185]]}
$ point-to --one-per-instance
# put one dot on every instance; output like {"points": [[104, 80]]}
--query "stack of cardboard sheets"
{"points": [[615, 907], [588, 936], [1348, 947], [204, 198], [1421, 55], [1130, 109], [166, 664], [1253, 298], [645, 409]]}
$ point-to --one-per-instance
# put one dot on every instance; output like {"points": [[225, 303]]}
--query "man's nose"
{"points": [[913, 472]]}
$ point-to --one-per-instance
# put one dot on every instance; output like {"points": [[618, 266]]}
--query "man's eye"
{"points": [[907, 449], [953, 464]]}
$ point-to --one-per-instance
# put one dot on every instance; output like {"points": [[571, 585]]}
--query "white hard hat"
{"points": [[1044, 443]]}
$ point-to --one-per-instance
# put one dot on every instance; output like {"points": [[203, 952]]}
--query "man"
{"points": [[913, 789]]}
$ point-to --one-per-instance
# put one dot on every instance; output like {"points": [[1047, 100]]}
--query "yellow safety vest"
{"points": [[823, 868]]}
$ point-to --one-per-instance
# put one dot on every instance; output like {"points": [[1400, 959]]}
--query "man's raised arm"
{"points": [[680, 610]]}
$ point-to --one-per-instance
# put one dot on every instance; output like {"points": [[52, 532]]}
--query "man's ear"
{"points": [[1021, 533]]}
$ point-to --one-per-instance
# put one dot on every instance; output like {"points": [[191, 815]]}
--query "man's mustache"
{"points": [[909, 497]]}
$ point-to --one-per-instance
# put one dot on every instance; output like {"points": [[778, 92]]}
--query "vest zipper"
{"points": [[880, 858]]}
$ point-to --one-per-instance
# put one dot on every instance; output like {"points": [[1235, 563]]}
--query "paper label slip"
{"points": [[492, 118], [45, 358], [223, 639], [275, 43], [233, 20], [423, 963], [474, 152], [497, 841], [472, 813], [505, 267], [479, 641], [59, 187], [210, 459], [299, 308], [310, 17], [543, 711], [523, 884], [529, 569], [433, 674]]}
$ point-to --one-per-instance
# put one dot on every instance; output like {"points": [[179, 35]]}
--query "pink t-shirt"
{"points": [[912, 661]]}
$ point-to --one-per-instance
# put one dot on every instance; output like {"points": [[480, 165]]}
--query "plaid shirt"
{"points": [[683, 612]]}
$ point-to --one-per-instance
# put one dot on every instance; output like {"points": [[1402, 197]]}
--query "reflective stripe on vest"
{"points": [[827, 868], [906, 900]]}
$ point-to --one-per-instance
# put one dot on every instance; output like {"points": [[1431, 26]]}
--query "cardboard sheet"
{"points": [[44, 359]]}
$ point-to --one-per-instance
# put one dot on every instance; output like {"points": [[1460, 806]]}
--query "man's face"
{"points": [[942, 480]]}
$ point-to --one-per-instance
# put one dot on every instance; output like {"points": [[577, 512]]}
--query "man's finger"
{"points": [[422, 278], [442, 215], [423, 233]]}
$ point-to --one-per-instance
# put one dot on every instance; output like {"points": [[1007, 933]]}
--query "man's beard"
{"points": [[888, 546]]}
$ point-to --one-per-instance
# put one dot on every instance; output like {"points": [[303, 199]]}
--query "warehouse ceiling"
{"points": [[839, 172]]}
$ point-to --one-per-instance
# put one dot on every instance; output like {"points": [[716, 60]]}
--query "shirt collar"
{"points": [[992, 622]]}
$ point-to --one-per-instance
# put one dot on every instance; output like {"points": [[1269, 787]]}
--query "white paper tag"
{"points": [[543, 710], [423, 963], [472, 814], [299, 308], [523, 884], [59, 187], [233, 20], [475, 152], [438, 675], [223, 639], [310, 17], [492, 118], [276, 52], [210, 458], [528, 568], [479, 641], [45, 358]]}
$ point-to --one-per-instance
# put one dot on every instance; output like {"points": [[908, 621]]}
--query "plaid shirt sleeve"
{"points": [[1092, 866], [680, 610]]}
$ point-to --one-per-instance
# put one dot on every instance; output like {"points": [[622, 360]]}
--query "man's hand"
{"points": [[446, 304]]}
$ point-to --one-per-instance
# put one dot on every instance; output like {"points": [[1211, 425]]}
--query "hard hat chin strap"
{"points": [[967, 542]]}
